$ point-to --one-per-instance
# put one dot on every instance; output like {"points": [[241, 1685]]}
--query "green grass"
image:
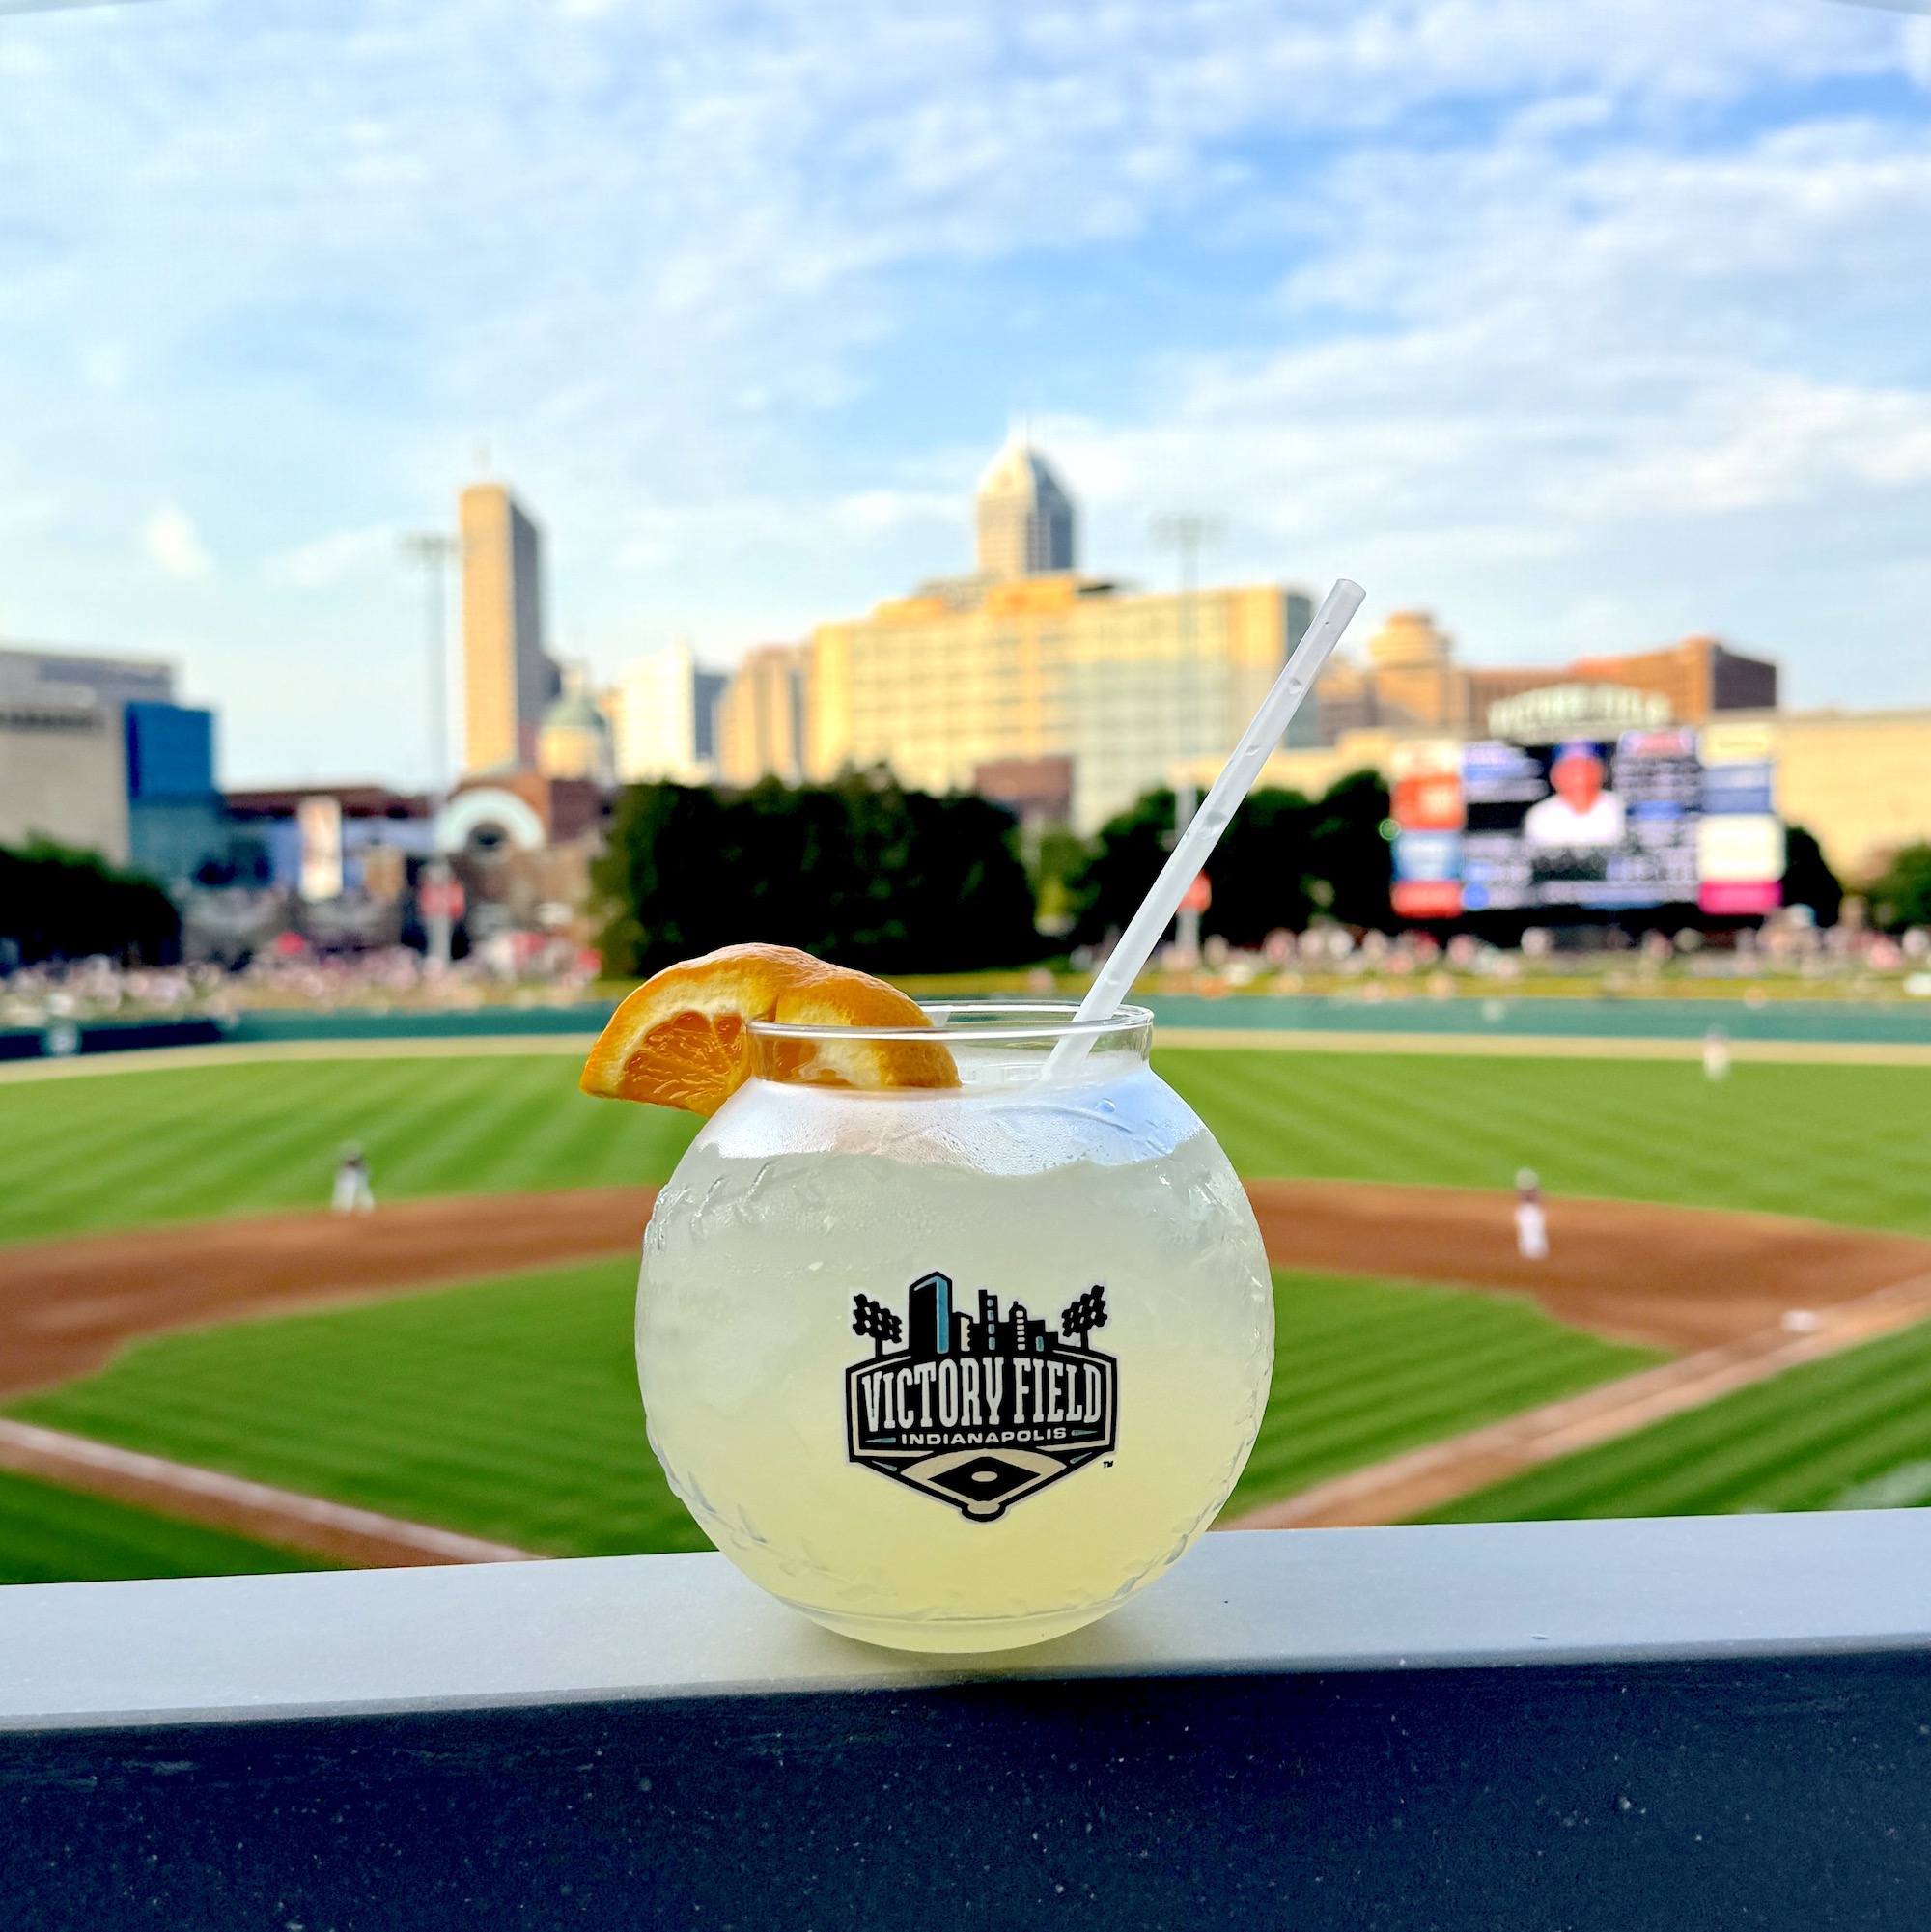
{"points": [[1365, 1369], [510, 1409], [1834, 1142], [49, 1535], [1840, 1143], [108, 1151], [1851, 1431]]}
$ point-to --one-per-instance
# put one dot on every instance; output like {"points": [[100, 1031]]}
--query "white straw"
{"points": [[1196, 843]]}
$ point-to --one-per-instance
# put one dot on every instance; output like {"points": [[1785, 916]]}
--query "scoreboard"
{"points": [[1657, 817]]}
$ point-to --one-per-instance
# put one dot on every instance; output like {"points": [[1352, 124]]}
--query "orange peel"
{"points": [[684, 1038]]}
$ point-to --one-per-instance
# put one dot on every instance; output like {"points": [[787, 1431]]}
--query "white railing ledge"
{"points": [[76, 1656]]}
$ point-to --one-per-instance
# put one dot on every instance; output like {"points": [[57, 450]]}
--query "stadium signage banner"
{"points": [[1576, 711], [1647, 817], [979, 1410]]}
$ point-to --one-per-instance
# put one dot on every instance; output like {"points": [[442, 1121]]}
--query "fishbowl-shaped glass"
{"points": [[956, 1368]]}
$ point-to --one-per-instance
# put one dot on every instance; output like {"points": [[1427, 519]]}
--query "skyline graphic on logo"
{"points": [[979, 1410]]}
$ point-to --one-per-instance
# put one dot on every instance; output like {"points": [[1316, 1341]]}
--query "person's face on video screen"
{"points": [[1579, 780]]}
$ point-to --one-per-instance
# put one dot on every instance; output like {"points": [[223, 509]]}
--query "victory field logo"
{"points": [[981, 1411]]}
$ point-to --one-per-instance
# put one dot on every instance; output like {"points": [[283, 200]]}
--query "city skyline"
{"points": [[1586, 332]]}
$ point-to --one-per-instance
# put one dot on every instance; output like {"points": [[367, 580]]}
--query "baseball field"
{"points": [[1844, 1144], [506, 1408]]}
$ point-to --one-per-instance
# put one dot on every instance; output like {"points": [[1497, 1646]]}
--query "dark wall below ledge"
{"points": [[1516, 1727], [1713, 1793]]}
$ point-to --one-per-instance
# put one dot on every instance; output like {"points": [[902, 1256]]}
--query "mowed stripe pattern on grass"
{"points": [[1835, 1143], [1827, 1433], [499, 1434], [1838, 1143], [509, 1409], [53, 1535], [207, 1141], [1365, 1369]]}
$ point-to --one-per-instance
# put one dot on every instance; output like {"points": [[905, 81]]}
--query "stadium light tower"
{"points": [[435, 550], [1187, 532]]}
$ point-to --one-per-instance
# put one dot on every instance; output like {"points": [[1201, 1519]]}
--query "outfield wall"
{"points": [[1540, 1017], [1297, 1019]]}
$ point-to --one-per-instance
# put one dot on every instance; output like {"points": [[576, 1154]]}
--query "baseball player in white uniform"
{"points": [[354, 1194], [1531, 1223]]}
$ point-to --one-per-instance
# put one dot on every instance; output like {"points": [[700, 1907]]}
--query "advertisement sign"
{"points": [[1649, 817], [1427, 809], [1740, 853], [440, 898], [319, 823]]}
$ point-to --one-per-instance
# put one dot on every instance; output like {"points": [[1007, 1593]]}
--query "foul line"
{"points": [[1411, 1485], [221, 1501]]}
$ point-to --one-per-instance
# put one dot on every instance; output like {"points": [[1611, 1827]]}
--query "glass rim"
{"points": [[955, 1020]]}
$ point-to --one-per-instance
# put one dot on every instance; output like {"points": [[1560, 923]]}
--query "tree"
{"points": [[1902, 896], [861, 872], [1807, 878], [1054, 863], [1263, 872], [1281, 859], [60, 904], [1349, 853], [1126, 860]]}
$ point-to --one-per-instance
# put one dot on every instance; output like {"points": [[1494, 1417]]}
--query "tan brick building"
{"points": [[1406, 677], [763, 728], [977, 673]]}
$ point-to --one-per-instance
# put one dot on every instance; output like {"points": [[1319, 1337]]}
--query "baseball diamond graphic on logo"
{"points": [[976, 1411]]}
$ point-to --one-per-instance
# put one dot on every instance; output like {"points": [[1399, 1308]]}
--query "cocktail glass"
{"points": [[960, 1368]]}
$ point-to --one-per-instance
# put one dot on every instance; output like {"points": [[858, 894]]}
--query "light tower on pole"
{"points": [[435, 550], [1187, 532]]}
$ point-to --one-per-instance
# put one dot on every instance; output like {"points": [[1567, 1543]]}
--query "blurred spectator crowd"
{"points": [[516, 968]]}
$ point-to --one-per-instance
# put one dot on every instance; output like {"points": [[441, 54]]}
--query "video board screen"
{"points": [[1647, 817]]}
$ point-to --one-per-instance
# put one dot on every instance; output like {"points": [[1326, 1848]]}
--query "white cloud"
{"points": [[170, 540], [872, 513], [328, 560], [1555, 288], [1749, 440]]}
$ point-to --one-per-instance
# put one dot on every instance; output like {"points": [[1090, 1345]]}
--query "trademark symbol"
{"points": [[1107, 1464]]}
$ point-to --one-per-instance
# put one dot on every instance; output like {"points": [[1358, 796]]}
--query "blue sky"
{"points": [[1584, 325]]}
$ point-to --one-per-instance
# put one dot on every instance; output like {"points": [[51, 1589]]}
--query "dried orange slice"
{"points": [[682, 1039]]}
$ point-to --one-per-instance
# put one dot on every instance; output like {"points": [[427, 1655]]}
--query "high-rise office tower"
{"points": [[762, 716], [665, 714], [508, 679], [1026, 519]]}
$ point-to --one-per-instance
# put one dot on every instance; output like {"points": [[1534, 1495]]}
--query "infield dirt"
{"points": [[1681, 1278], [1669, 1277], [1719, 1286], [65, 1306]]}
